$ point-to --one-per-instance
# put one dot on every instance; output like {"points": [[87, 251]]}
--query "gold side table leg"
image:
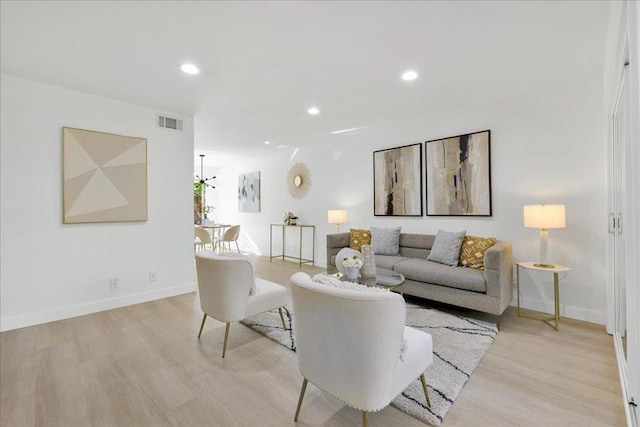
{"points": [[518, 286], [556, 296], [300, 249], [313, 245]]}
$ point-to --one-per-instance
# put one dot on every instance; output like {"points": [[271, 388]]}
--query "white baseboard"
{"points": [[30, 319], [569, 311]]}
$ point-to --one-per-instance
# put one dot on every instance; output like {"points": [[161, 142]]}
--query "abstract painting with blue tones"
{"points": [[249, 192]]}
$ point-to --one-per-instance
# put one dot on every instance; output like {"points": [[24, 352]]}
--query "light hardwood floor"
{"points": [[143, 366]]}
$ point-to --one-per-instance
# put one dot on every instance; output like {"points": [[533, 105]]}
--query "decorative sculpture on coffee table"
{"points": [[369, 262]]}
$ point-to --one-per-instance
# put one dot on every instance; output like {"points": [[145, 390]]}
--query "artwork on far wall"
{"points": [[397, 181], [459, 175], [104, 177], [249, 192]]}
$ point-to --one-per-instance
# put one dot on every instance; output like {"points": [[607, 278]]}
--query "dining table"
{"points": [[217, 229]]}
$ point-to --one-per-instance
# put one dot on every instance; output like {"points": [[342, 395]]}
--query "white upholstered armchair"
{"points": [[229, 291], [350, 344]]}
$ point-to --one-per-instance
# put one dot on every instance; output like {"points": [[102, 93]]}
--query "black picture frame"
{"points": [[397, 181], [458, 175]]}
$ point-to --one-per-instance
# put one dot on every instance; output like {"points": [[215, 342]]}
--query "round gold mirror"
{"points": [[298, 180]]}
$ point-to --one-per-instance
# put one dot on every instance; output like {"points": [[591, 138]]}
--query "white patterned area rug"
{"points": [[459, 343]]}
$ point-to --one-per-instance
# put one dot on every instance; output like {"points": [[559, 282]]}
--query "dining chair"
{"points": [[202, 239], [229, 290], [230, 235], [354, 345]]}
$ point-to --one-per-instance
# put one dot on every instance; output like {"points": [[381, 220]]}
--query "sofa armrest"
{"points": [[498, 272], [335, 242]]}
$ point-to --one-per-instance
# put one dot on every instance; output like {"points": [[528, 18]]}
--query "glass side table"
{"points": [[530, 265]]}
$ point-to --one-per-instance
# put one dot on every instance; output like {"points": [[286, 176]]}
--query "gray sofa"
{"points": [[489, 290]]}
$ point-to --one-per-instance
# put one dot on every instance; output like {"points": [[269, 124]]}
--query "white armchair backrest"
{"points": [[224, 284], [348, 342]]}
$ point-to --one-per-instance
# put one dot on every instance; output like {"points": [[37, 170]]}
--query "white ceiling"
{"points": [[264, 63]]}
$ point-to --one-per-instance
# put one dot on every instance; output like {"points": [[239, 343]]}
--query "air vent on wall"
{"points": [[169, 123]]}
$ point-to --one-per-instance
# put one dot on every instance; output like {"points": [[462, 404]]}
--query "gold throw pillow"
{"points": [[473, 249], [359, 237]]}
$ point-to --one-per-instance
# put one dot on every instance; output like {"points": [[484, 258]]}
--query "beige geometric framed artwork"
{"points": [[459, 175], [104, 177]]}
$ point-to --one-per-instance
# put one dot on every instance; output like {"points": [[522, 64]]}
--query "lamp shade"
{"points": [[544, 216], [337, 217]]}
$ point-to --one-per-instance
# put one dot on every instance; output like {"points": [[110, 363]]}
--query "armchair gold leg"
{"points": [[364, 419], [284, 325], [204, 319], [304, 388], [426, 391], [226, 337]]}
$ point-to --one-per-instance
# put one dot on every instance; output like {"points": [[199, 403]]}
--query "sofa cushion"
{"points": [[414, 252], [388, 261], [422, 270], [385, 241], [473, 249], [359, 237], [446, 247], [416, 245], [418, 241]]}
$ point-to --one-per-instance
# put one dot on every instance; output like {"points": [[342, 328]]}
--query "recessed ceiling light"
{"points": [[190, 69], [267, 142], [409, 75], [313, 111]]}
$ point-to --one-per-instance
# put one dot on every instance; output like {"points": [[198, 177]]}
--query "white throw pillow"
{"points": [[446, 247], [385, 241]]}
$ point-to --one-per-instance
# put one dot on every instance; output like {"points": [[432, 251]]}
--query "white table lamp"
{"points": [[544, 217], [337, 217]]}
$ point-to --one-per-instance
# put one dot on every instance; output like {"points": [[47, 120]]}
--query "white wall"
{"points": [[547, 146], [50, 270], [633, 291]]}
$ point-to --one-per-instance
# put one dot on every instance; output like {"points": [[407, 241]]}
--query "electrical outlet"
{"points": [[153, 276], [114, 283]]}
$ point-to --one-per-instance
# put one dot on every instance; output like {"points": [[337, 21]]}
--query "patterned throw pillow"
{"points": [[359, 237], [473, 249]]}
